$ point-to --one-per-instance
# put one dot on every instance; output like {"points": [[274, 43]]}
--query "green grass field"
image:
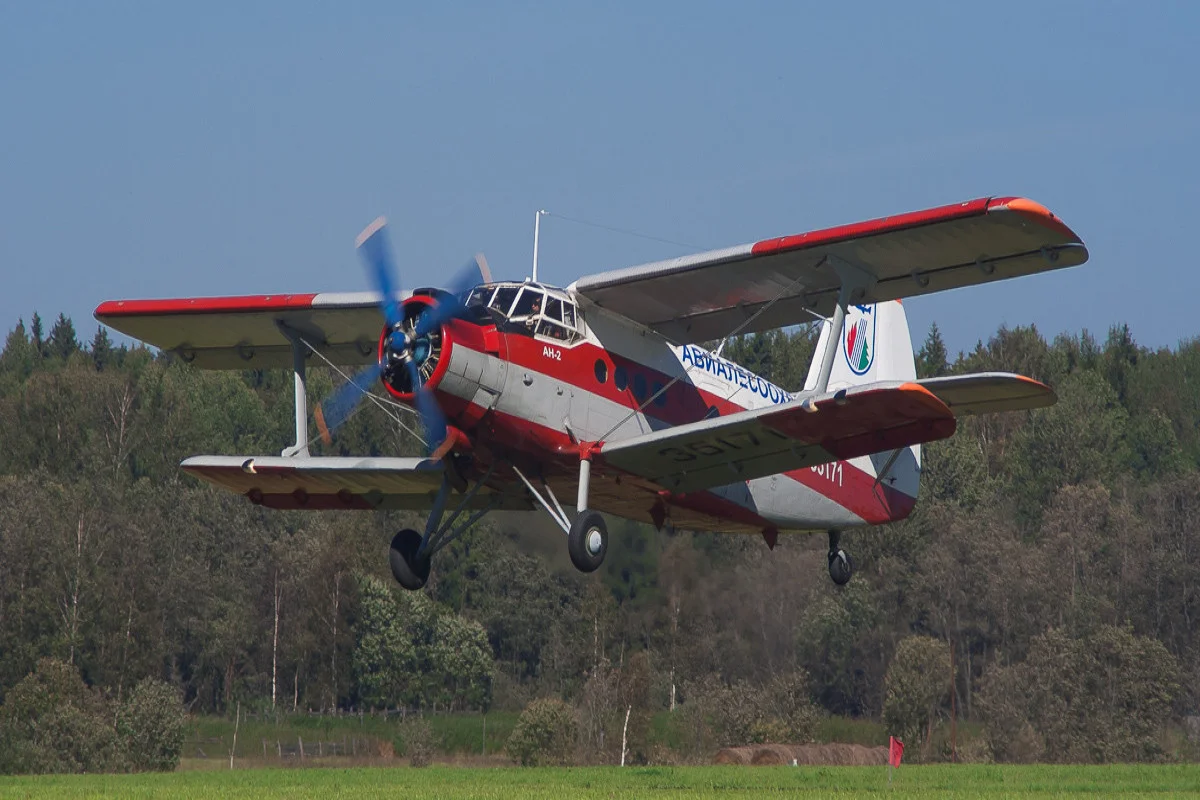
{"points": [[605, 782]]}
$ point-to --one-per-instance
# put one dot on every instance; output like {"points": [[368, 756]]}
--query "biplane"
{"points": [[606, 391]]}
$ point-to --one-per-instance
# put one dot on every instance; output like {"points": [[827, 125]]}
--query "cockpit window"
{"points": [[480, 295], [503, 299], [529, 304]]}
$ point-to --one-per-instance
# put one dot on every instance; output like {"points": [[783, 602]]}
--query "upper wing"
{"points": [[324, 484], [845, 424], [244, 333], [709, 295], [985, 392]]}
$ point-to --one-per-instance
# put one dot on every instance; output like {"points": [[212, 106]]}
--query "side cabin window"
{"points": [[558, 320]]}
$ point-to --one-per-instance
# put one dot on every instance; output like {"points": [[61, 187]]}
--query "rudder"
{"points": [[875, 346]]}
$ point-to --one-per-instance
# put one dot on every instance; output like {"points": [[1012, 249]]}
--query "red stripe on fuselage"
{"points": [[874, 503], [685, 402]]}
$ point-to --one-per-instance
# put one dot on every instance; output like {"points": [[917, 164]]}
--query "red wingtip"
{"points": [[1033, 210]]}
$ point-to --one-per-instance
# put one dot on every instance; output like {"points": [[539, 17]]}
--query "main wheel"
{"points": [[410, 570], [841, 567], [587, 542]]}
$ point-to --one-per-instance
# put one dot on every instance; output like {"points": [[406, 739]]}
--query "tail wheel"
{"points": [[587, 541], [410, 570]]}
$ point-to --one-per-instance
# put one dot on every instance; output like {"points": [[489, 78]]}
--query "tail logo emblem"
{"points": [[859, 341]]}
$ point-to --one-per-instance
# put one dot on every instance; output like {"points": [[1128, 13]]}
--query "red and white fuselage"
{"points": [[531, 388]]}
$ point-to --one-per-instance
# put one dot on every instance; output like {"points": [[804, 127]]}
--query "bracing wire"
{"points": [[381, 402], [686, 372]]}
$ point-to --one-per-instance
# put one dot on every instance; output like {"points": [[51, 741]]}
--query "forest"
{"points": [[1046, 588]]}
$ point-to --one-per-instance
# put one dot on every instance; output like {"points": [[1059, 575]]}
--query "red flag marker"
{"points": [[895, 751]]}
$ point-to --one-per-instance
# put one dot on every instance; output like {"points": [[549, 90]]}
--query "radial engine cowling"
{"points": [[430, 352]]}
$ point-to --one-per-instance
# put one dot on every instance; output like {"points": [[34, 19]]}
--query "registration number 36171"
{"points": [[831, 471]]}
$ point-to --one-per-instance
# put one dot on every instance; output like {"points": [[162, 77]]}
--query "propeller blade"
{"points": [[449, 307], [373, 248], [432, 418], [340, 405]]}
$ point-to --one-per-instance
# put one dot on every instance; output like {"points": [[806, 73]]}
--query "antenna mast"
{"points": [[537, 223]]}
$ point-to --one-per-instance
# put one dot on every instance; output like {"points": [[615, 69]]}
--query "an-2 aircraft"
{"points": [[603, 391]]}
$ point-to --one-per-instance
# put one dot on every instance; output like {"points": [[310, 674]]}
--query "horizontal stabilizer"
{"points": [[851, 422], [988, 392]]}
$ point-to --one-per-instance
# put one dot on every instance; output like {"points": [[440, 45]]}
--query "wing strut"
{"points": [[300, 352], [856, 281]]}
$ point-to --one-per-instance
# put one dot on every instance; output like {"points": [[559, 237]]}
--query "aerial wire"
{"points": [[613, 229]]}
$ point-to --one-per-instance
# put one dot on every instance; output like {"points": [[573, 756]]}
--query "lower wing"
{"points": [[845, 424], [330, 483]]}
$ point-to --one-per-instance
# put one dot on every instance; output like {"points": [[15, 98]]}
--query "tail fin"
{"points": [[876, 346]]}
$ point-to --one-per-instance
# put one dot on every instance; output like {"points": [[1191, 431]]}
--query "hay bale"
{"points": [[771, 755], [732, 755]]}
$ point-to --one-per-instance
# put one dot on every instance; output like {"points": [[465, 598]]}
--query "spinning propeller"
{"points": [[409, 342]]}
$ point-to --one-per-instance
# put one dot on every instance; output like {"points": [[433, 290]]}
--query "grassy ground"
{"points": [[657, 782]]}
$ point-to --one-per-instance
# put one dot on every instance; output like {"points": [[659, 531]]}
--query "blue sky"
{"points": [[160, 149]]}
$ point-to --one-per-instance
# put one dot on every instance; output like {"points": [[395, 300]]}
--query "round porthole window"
{"points": [[639, 387], [601, 371], [620, 378]]}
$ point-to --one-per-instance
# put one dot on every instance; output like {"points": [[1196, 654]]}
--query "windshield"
{"points": [[503, 299]]}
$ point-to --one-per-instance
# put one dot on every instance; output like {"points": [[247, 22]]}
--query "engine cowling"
{"points": [[431, 352]]}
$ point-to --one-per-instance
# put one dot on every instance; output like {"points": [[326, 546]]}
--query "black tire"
{"points": [[841, 567], [587, 551], [409, 570]]}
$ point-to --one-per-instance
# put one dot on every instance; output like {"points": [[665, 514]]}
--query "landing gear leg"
{"points": [[587, 541], [411, 551], [587, 536], [841, 566]]}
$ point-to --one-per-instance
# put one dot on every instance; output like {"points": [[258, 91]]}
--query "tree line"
{"points": [[1052, 551]]}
